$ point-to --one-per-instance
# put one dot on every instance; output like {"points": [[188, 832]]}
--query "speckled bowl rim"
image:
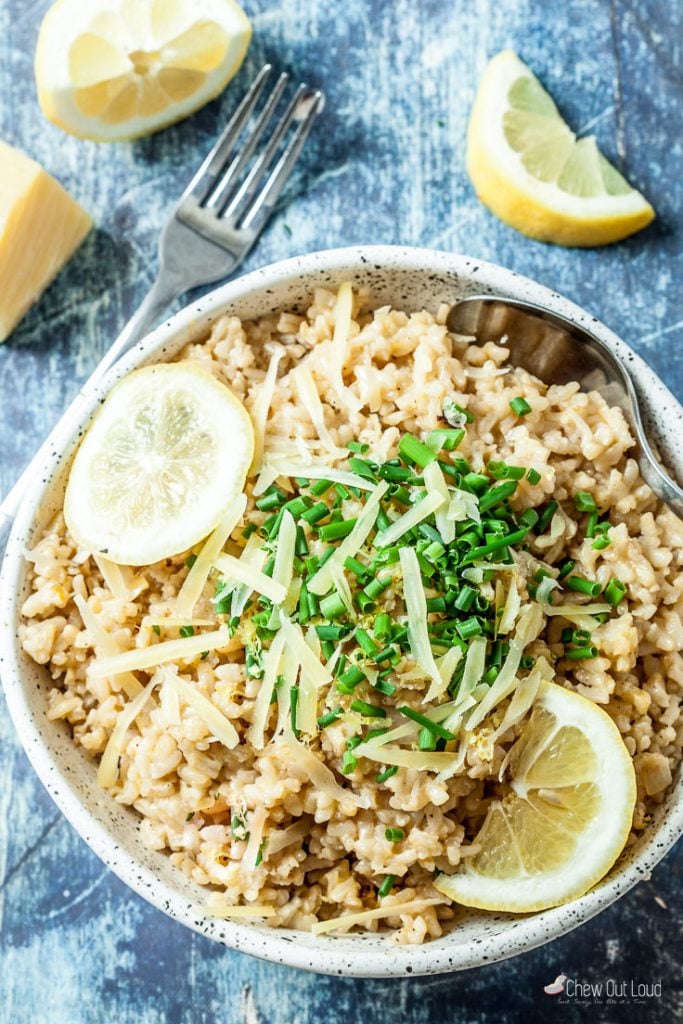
{"points": [[478, 939]]}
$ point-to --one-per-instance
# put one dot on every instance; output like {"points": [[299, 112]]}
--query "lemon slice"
{"points": [[117, 69], [566, 817], [530, 170], [164, 457]]}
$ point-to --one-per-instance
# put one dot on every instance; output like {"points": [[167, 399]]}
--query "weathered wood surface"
{"points": [[385, 165]]}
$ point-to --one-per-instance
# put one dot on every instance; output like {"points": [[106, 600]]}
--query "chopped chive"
{"points": [[304, 609], [426, 740], [349, 763], [583, 586], [528, 518], [520, 406], [591, 523], [495, 495], [156, 630], [454, 412], [600, 543], [363, 468], [394, 474], [312, 564], [356, 567], [186, 631], [301, 544], [341, 491], [388, 883], [376, 587], [366, 643], [336, 531], [614, 592], [297, 505], [494, 545], [414, 451], [433, 551], [382, 522], [386, 774], [316, 513], [446, 440], [436, 604], [358, 447], [384, 686], [386, 654], [382, 627], [351, 678], [353, 742], [470, 627], [465, 598], [365, 603], [320, 487], [330, 717], [490, 675], [565, 569], [293, 704], [581, 653], [370, 710], [327, 647], [394, 835], [332, 606], [270, 501], [585, 502], [533, 476], [426, 723], [329, 631], [546, 516], [190, 560], [502, 471], [475, 482], [248, 530], [526, 661]]}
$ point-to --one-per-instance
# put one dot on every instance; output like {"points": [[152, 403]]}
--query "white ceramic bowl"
{"points": [[408, 279]]}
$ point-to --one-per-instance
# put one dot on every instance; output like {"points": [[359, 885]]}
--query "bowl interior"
{"points": [[409, 279]]}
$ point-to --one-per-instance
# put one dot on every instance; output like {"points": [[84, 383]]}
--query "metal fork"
{"points": [[212, 227]]}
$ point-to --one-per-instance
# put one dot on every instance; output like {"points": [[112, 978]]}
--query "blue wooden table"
{"points": [[386, 164]]}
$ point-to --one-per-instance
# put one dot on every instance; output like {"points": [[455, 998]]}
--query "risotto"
{"points": [[260, 762]]}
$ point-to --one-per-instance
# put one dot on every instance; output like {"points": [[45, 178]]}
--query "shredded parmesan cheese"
{"points": [[321, 471], [158, 654], [284, 837], [259, 715], [257, 822], [310, 399], [284, 554], [322, 581], [289, 672], [420, 510], [436, 482], [416, 606], [528, 628], [245, 910], [242, 572], [421, 760], [522, 699], [199, 573], [463, 505], [107, 644], [343, 309], [219, 726], [363, 916], [108, 769], [513, 603], [261, 410], [318, 772], [446, 665], [311, 665], [113, 576]]}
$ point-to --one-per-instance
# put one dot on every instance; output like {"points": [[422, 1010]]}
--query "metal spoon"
{"points": [[558, 351]]}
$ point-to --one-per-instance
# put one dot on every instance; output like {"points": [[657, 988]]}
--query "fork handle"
{"points": [[163, 291]]}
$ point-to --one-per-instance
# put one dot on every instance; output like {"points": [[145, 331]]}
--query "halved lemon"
{"points": [[116, 69], [164, 457], [567, 815], [530, 169]]}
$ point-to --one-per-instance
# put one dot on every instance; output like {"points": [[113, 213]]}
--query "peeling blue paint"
{"points": [[385, 164]]}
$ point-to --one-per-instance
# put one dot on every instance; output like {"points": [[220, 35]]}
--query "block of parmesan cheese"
{"points": [[40, 227]]}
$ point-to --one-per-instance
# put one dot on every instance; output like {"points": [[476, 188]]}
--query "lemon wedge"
{"points": [[530, 170], [567, 815], [117, 69], [163, 459]]}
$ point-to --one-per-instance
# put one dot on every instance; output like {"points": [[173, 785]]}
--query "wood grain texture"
{"points": [[385, 164]]}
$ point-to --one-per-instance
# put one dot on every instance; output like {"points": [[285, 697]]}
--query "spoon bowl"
{"points": [[557, 351]]}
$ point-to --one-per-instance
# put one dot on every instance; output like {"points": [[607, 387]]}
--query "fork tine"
{"points": [[221, 193], [203, 181], [312, 103]]}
